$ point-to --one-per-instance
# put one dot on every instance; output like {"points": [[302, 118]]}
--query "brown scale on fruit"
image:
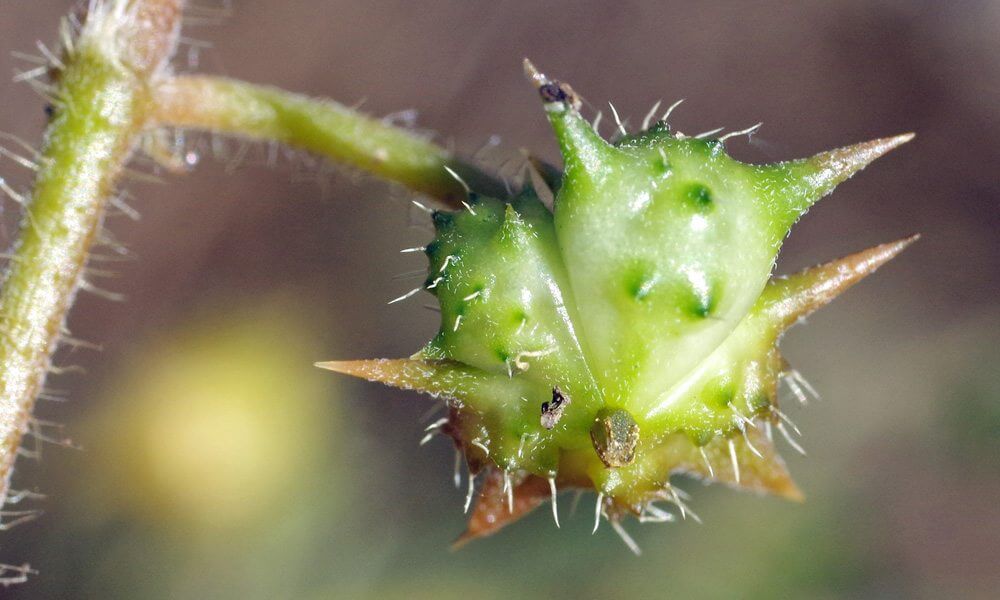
{"points": [[615, 435]]}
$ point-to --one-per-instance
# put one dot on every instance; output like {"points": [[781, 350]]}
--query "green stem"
{"points": [[111, 91], [323, 127], [101, 103]]}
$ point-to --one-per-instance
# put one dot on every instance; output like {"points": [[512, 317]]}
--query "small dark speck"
{"points": [[553, 411], [551, 92]]}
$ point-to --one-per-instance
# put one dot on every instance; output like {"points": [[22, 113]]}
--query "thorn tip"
{"points": [[535, 76]]}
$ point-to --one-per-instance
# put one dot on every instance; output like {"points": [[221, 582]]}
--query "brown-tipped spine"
{"points": [[790, 299]]}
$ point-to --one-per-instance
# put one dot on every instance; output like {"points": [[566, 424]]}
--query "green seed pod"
{"points": [[631, 333]]}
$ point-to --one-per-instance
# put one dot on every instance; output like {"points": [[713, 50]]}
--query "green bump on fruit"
{"points": [[645, 297]]}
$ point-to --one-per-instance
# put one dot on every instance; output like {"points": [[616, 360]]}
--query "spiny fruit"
{"points": [[630, 333]]}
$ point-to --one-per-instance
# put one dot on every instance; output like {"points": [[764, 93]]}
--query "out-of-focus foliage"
{"points": [[218, 426], [216, 457]]}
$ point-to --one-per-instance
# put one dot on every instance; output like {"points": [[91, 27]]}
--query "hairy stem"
{"points": [[113, 86], [323, 127], [101, 106]]}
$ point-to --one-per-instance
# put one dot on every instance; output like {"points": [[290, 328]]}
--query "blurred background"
{"points": [[215, 462]]}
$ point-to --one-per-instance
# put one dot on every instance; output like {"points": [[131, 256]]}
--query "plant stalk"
{"points": [[113, 86], [323, 127], [101, 105]]}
